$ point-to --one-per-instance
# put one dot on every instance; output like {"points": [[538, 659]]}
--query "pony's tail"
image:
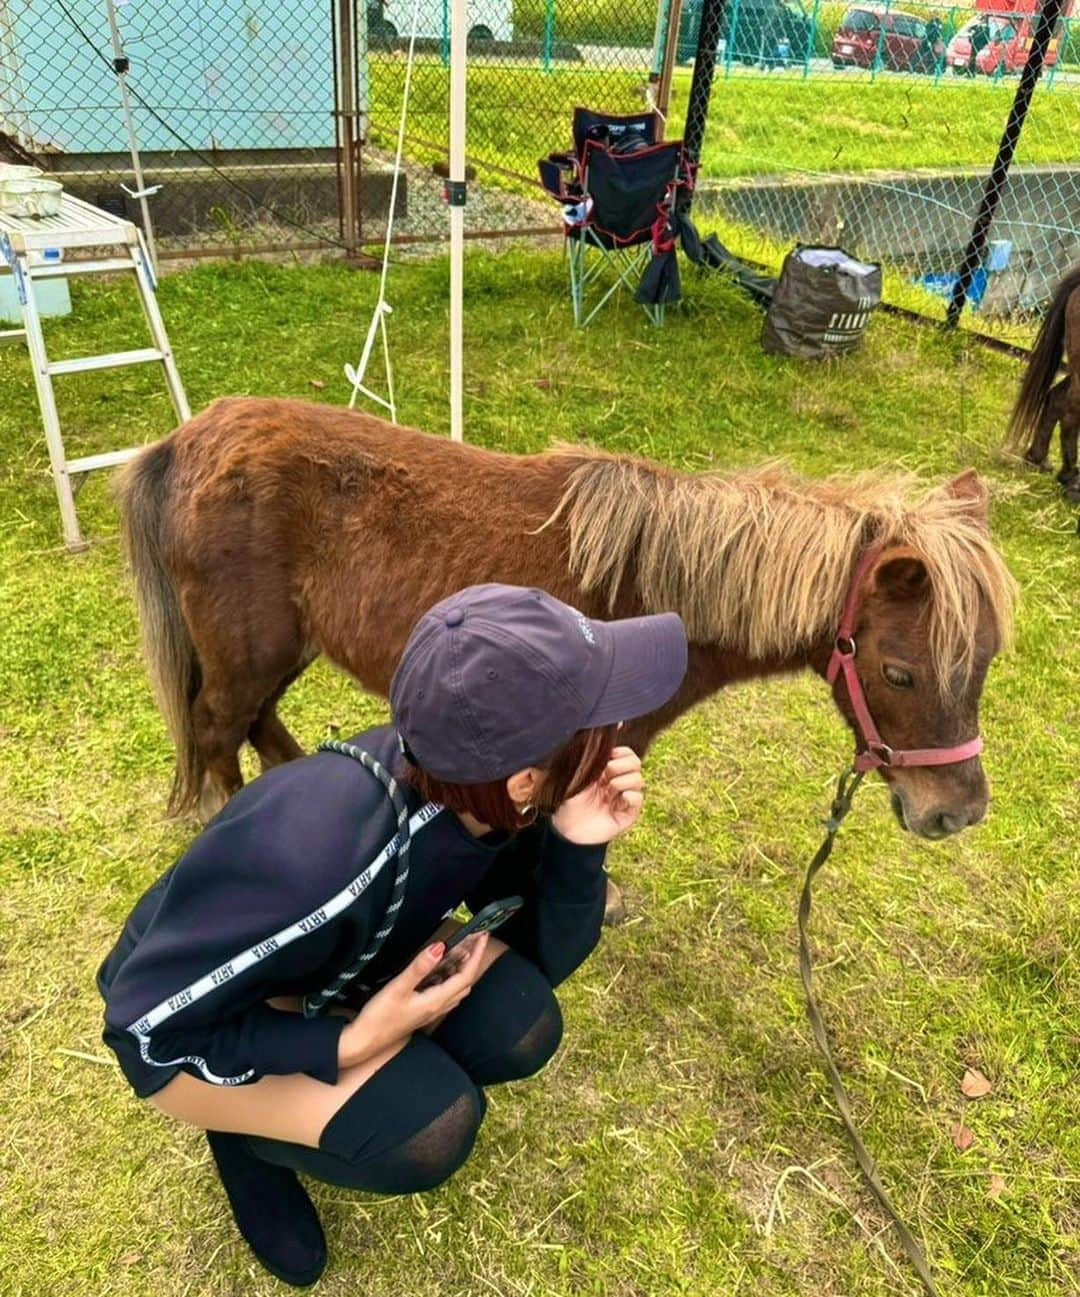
{"points": [[143, 488], [1046, 355]]}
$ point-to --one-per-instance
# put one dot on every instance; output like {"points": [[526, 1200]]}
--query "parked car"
{"points": [[389, 20], [996, 43], [869, 37], [769, 33]]}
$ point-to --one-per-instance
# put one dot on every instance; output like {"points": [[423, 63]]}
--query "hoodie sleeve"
{"points": [[564, 887], [263, 902], [262, 1041]]}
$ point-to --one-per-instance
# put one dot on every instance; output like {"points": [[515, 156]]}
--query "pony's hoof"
{"points": [[1072, 494], [1069, 477], [615, 911], [211, 800], [1042, 465]]}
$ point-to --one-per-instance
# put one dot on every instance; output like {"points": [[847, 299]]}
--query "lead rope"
{"points": [[846, 787], [314, 1004]]}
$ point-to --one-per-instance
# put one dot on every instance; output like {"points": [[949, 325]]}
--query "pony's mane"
{"points": [[698, 544]]}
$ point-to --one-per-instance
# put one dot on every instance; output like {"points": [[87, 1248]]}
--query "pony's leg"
{"points": [[1038, 453], [1070, 430], [615, 911], [268, 735], [223, 712], [242, 667]]}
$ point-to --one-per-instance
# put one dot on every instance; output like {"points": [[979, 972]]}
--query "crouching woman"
{"points": [[267, 988]]}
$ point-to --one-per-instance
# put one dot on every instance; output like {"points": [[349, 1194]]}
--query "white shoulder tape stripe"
{"points": [[254, 954]]}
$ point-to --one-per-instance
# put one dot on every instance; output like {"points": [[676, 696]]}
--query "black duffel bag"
{"points": [[821, 304]]}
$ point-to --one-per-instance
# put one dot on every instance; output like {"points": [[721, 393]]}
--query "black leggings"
{"points": [[412, 1124]]}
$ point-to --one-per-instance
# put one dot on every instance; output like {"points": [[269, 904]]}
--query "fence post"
{"points": [[729, 43], [947, 30], [1049, 13], [549, 34], [346, 57], [875, 66], [1063, 45], [659, 37], [811, 40], [667, 67], [697, 108]]}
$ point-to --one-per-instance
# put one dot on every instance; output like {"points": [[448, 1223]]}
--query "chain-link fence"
{"points": [[232, 106], [274, 125], [876, 126]]}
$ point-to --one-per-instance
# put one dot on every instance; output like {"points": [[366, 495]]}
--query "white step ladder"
{"points": [[80, 225]]}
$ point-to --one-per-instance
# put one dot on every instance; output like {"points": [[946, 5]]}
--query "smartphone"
{"points": [[485, 920]]}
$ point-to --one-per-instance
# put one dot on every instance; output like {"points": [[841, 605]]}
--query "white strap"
{"points": [[246, 959]]}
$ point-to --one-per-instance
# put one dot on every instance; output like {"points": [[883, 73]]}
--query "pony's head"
{"points": [[923, 645], [933, 611], [759, 564]]}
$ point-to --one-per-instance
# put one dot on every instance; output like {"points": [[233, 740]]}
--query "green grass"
{"points": [[683, 1142], [757, 123]]}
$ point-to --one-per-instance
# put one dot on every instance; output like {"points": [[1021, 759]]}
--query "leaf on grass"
{"points": [[962, 1137], [317, 382], [975, 1085], [996, 1187], [131, 1258]]}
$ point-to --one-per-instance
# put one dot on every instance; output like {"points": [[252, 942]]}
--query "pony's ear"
{"points": [[970, 489], [900, 573]]}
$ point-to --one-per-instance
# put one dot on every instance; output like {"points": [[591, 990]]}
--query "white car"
{"points": [[493, 20]]}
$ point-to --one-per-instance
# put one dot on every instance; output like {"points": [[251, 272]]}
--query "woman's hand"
{"points": [[398, 1009], [606, 808]]}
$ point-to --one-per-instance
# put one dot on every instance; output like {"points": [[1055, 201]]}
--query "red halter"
{"points": [[877, 752]]}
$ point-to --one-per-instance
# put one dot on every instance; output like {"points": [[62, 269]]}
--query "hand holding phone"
{"points": [[485, 920]]}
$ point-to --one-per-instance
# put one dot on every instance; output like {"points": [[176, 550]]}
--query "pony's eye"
{"points": [[897, 676]]}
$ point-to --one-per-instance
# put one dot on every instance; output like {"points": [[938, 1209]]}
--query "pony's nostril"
{"points": [[948, 823]]}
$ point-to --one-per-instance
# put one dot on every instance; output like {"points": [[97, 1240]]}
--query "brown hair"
{"points": [[568, 771]]}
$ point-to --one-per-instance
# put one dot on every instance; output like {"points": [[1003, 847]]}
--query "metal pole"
{"points": [[667, 67], [455, 192], [363, 104], [1049, 14], [549, 34], [658, 46], [697, 109], [811, 41], [729, 41], [120, 67], [345, 87]]}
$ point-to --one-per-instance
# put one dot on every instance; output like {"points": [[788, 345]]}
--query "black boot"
{"points": [[272, 1211]]}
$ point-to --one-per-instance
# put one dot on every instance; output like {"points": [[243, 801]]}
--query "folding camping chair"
{"points": [[618, 188]]}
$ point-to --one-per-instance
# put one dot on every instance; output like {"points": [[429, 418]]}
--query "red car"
{"points": [[892, 39], [996, 43]]}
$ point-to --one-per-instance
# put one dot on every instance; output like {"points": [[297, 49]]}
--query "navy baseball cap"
{"points": [[498, 677]]}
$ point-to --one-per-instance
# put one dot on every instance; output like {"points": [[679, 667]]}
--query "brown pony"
{"points": [[265, 532], [1042, 402]]}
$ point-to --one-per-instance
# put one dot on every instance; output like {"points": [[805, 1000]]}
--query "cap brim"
{"points": [[649, 658]]}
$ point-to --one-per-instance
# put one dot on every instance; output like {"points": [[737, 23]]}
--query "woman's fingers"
{"points": [[476, 945], [421, 964], [623, 783], [461, 980], [622, 762]]}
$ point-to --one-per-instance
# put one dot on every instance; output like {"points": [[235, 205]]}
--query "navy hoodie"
{"points": [[285, 888]]}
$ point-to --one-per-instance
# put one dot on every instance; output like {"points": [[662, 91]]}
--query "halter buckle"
{"points": [[882, 751], [846, 646]]}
